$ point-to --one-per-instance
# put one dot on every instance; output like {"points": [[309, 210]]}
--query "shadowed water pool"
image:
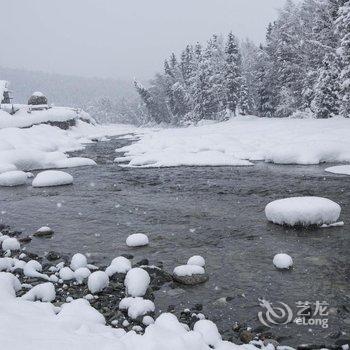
{"points": [[216, 212]]}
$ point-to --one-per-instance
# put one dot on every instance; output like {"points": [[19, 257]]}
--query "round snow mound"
{"points": [[13, 178], [49, 178], [137, 240], [303, 211], [282, 261]]}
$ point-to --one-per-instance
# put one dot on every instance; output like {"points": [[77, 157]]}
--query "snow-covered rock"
{"points": [[209, 332], [10, 243], [339, 169], [137, 240], [6, 264], [44, 231], [13, 178], [136, 282], [33, 269], [190, 274], [50, 178], [81, 273], [119, 264], [147, 320], [196, 260], [66, 274], [282, 261], [136, 306], [304, 211], [9, 285], [78, 260], [98, 281], [43, 292]]}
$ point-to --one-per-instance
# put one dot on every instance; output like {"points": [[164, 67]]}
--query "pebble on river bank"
{"points": [[190, 274], [44, 231]]}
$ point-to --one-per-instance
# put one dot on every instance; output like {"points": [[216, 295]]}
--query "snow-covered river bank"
{"points": [[217, 212], [214, 212]]}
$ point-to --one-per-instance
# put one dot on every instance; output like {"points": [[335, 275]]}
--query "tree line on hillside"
{"points": [[303, 69]]}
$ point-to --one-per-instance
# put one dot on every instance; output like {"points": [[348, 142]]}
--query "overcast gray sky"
{"points": [[119, 38]]}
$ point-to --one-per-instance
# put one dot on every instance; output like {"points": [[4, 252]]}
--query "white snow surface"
{"points": [[339, 169], [304, 211], [78, 260], [50, 178], [242, 140], [282, 261], [209, 332], [136, 306], [13, 178], [136, 282], [119, 264], [98, 281], [137, 240], [77, 325], [10, 244], [188, 270], [196, 260], [43, 292]]}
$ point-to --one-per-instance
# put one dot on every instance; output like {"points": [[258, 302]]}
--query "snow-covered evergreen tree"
{"points": [[232, 73], [326, 101], [343, 30]]}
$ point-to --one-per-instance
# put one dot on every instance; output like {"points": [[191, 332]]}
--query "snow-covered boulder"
{"points": [[282, 261], [43, 292], [190, 274], [209, 332], [303, 211], [78, 260], [6, 264], [81, 273], [10, 243], [196, 260], [9, 285], [13, 178], [66, 274], [137, 240], [44, 231], [339, 169], [49, 178], [136, 306], [136, 282], [119, 264], [33, 269], [98, 281]]}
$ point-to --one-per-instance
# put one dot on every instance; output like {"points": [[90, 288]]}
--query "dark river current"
{"points": [[216, 212]]}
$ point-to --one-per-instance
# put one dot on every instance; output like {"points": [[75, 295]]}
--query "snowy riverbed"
{"points": [[187, 210]]}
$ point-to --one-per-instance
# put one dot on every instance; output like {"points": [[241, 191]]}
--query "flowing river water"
{"points": [[216, 212]]}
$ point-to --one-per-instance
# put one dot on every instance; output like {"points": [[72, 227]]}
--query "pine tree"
{"points": [[343, 30], [326, 101], [244, 103], [232, 74]]}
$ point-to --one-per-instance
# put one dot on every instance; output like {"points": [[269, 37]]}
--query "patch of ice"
{"points": [[188, 270], [43, 292], [137, 240], [136, 306], [304, 211], [136, 282], [196, 260], [282, 261], [49, 178], [339, 169], [13, 178], [98, 281]]}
